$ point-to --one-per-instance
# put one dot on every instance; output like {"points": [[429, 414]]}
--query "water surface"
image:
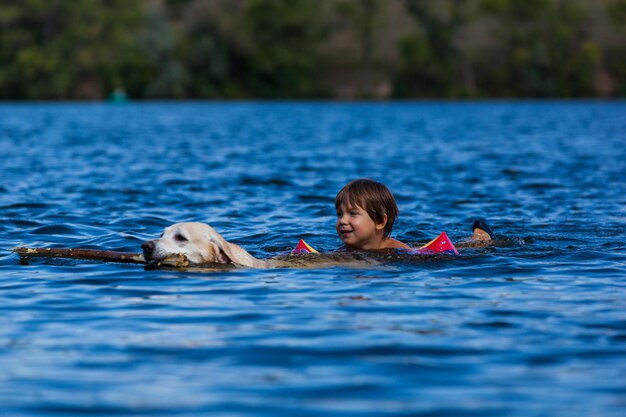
{"points": [[535, 326]]}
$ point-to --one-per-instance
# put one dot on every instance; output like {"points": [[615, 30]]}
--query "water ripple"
{"points": [[531, 326]]}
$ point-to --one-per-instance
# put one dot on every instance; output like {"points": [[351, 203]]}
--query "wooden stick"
{"points": [[75, 253]]}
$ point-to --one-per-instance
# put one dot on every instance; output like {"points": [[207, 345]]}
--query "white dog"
{"points": [[196, 244]]}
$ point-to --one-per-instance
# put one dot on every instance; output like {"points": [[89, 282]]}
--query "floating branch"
{"points": [[74, 253]]}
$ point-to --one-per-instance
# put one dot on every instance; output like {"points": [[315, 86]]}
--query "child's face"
{"points": [[356, 228]]}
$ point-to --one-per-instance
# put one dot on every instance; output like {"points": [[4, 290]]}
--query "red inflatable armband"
{"points": [[440, 244], [303, 247]]}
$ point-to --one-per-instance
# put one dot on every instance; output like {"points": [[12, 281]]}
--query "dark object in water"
{"points": [[76, 253], [482, 225]]}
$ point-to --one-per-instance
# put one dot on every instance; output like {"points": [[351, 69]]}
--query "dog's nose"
{"points": [[147, 247]]}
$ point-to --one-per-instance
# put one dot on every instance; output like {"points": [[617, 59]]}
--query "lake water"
{"points": [[533, 326]]}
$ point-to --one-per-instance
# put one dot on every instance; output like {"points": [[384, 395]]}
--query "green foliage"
{"points": [[215, 59], [422, 73], [363, 15], [285, 36], [63, 49], [67, 49], [515, 10], [432, 65], [616, 55], [164, 74], [543, 50], [617, 13]]}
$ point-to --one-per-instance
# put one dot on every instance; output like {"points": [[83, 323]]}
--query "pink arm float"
{"points": [[440, 244]]}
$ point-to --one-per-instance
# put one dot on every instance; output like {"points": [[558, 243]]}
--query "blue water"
{"points": [[533, 326]]}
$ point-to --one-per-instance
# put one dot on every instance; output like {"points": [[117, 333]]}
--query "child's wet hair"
{"points": [[373, 197]]}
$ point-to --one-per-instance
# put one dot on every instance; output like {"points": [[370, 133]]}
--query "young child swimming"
{"points": [[366, 212]]}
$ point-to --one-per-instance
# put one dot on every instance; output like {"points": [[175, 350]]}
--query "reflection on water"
{"points": [[532, 326]]}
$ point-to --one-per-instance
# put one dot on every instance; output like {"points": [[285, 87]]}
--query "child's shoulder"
{"points": [[391, 243], [388, 243]]}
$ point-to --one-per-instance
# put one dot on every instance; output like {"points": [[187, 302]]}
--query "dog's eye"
{"points": [[180, 238]]}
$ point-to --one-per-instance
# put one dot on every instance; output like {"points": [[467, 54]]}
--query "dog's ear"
{"points": [[215, 254], [223, 257], [240, 256], [229, 252]]}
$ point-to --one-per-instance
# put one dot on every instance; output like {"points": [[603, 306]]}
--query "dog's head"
{"points": [[199, 243]]}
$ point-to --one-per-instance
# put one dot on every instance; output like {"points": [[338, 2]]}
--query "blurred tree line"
{"points": [[85, 49]]}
